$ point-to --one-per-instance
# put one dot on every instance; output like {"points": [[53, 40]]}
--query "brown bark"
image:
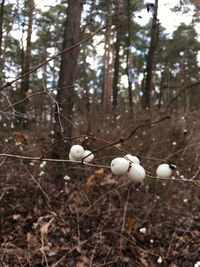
{"points": [[117, 56], [107, 87], [86, 98], [65, 96], [1, 37], [129, 59], [150, 60], [1, 24], [26, 60], [183, 81]]}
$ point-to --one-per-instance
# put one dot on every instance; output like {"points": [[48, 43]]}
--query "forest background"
{"points": [[107, 75]]}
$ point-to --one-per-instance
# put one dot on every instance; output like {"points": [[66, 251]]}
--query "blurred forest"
{"points": [[92, 72]]}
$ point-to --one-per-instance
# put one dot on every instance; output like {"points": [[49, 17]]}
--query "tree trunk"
{"points": [[117, 56], [1, 37], [107, 89], [150, 60], [86, 96], [1, 24], [26, 60], [65, 96], [129, 59]]}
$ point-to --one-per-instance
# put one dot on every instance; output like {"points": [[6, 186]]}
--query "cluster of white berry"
{"points": [[128, 165], [77, 153]]}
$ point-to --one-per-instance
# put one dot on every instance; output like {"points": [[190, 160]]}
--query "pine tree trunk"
{"points": [[150, 60], [117, 56], [129, 59], [107, 87], [1, 37], [86, 97], [65, 96], [26, 60], [1, 24]]}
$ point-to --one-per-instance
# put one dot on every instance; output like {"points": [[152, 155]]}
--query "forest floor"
{"points": [[94, 218]]}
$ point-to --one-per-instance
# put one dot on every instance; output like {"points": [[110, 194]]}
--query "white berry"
{"points": [[136, 173], [164, 171], [89, 158], [133, 159], [76, 152], [119, 166], [70, 157]]}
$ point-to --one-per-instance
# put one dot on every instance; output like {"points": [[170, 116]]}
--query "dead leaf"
{"points": [[32, 241], [144, 259], [53, 252], [80, 264], [45, 248], [130, 224], [29, 92], [108, 180], [20, 139], [92, 180], [17, 217], [44, 227]]}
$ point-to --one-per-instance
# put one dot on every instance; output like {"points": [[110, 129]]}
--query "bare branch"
{"points": [[53, 57]]}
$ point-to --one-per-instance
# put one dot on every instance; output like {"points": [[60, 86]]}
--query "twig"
{"points": [[182, 149], [51, 160], [101, 197], [181, 92], [11, 105], [38, 185], [146, 124], [123, 140], [124, 220], [176, 180], [53, 57], [56, 103]]}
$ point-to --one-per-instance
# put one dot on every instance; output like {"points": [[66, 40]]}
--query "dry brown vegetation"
{"points": [[96, 219]]}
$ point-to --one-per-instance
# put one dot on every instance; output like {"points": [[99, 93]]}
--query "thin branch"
{"points": [[146, 124], [181, 92], [38, 185], [53, 57], [101, 197], [122, 140], [51, 160], [190, 181]]}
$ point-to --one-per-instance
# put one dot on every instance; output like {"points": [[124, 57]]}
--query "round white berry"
{"points": [[70, 157], [136, 173], [89, 158], [133, 159], [119, 166], [164, 171], [76, 152]]}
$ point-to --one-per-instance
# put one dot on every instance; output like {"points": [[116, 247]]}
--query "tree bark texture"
{"points": [[25, 62], [107, 87], [150, 60], [1, 25], [117, 56], [65, 96], [1, 38], [129, 58]]}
